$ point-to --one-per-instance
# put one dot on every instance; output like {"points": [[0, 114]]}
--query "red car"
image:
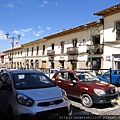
{"points": [[86, 86]]}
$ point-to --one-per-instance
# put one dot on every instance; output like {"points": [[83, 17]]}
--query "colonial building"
{"points": [[95, 43]]}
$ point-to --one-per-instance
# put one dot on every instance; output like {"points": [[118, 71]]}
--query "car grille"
{"points": [[110, 91], [51, 114], [112, 97], [50, 102]]}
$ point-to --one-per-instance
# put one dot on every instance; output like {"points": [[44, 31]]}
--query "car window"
{"points": [[31, 81], [116, 72], [107, 73], [86, 77], [4, 78], [71, 77], [54, 71], [61, 75]]}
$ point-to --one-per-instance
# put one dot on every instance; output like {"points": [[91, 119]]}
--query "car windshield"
{"points": [[86, 77], [31, 81]]}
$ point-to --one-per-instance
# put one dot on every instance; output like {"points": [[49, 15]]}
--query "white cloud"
{"points": [[38, 33], [11, 5], [39, 27], [22, 31], [56, 4], [2, 35], [48, 28], [45, 2]]}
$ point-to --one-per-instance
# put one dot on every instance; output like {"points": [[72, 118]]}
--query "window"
{"points": [[118, 30], [52, 46], [27, 51], [74, 41], [32, 50], [43, 50], [37, 48], [71, 77], [5, 78], [61, 75], [62, 46]]}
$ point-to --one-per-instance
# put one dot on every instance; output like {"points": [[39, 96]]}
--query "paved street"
{"points": [[102, 110]]}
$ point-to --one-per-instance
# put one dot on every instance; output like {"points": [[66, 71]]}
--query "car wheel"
{"points": [[86, 100]]}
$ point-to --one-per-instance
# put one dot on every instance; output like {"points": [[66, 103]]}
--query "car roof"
{"points": [[23, 71], [74, 71]]}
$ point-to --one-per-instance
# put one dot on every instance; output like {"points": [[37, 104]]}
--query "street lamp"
{"points": [[91, 39], [12, 42], [25, 48]]}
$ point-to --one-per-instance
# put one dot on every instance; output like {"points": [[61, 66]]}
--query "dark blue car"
{"points": [[115, 77]]}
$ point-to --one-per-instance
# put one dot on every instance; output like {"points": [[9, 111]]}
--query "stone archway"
{"points": [[37, 64], [31, 64], [27, 64]]}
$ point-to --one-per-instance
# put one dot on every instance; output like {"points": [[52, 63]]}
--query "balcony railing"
{"points": [[50, 52], [96, 49], [72, 50]]}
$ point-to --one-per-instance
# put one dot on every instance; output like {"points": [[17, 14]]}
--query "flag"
{"points": [[16, 41]]}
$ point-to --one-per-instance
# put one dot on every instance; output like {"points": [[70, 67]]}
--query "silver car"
{"points": [[29, 94]]}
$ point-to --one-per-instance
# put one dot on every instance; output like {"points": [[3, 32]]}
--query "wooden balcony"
{"points": [[96, 49], [50, 52], [72, 50]]}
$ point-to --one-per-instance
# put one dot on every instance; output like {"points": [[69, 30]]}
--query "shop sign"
{"points": [[61, 57]]}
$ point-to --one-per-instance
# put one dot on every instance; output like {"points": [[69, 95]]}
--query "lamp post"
{"points": [[12, 42], [25, 58], [91, 39], [91, 48]]}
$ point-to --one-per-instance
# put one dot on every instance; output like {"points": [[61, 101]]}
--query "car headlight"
{"points": [[64, 95], [24, 100], [63, 92], [99, 91]]}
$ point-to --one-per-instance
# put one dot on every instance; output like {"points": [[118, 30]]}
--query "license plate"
{"points": [[113, 101]]}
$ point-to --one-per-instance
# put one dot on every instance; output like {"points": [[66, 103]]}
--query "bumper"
{"points": [[42, 113], [108, 98]]}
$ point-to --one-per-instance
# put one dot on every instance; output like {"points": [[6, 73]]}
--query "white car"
{"points": [[31, 95]]}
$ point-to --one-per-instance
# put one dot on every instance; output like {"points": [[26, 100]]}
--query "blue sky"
{"points": [[35, 19]]}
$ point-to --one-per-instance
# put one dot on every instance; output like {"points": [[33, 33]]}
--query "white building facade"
{"points": [[74, 47]]}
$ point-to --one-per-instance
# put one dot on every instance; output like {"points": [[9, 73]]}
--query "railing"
{"points": [[96, 48], [50, 52], [72, 50]]}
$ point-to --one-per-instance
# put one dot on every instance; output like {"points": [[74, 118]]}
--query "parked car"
{"points": [[115, 77], [86, 86], [51, 72], [30, 93]]}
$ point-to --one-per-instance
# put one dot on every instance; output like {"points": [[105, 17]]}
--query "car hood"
{"points": [[42, 93], [99, 85]]}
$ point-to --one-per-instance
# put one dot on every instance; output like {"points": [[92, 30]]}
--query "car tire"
{"points": [[86, 100]]}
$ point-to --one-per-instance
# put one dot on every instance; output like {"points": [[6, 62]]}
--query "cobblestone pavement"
{"points": [[107, 109]]}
